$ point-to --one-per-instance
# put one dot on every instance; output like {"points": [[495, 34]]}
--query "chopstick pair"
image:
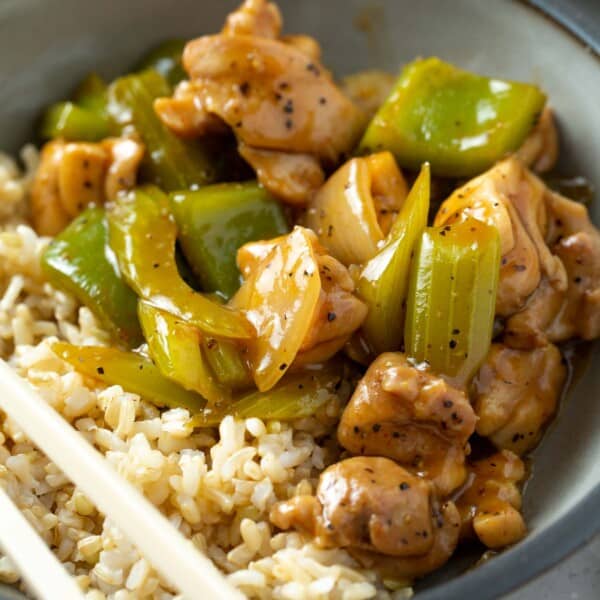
{"points": [[174, 557]]}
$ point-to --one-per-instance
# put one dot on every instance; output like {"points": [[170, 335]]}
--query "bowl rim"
{"points": [[537, 554]]}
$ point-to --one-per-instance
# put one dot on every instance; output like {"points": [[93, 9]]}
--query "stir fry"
{"points": [[261, 240]]}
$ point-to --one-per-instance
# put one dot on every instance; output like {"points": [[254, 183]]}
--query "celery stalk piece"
{"points": [[383, 282], [175, 348], [132, 371], [226, 359], [452, 298], [170, 162], [296, 396]]}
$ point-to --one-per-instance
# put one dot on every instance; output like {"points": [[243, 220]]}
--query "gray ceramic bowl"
{"points": [[48, 45]]}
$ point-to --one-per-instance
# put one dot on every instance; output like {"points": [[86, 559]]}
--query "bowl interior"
{"points": [[47, 46]]}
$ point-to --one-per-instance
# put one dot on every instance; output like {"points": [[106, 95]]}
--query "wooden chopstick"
{"points": [[174, 557], [36, 563]]}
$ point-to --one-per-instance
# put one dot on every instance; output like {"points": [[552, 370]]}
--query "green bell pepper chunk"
{"points": [[176, 350], [169, 162], [142, 234], [91, 93], [452, 298], [383, 282], [79, 262], [132, 371], [73, 123], [82, 119], [460, 122], [166, 59], [217, 220]]}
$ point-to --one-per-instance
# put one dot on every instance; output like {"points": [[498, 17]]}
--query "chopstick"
{"points": [[36, 563], [174, 557]]}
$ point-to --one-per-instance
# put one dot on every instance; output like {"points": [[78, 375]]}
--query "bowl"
{"points": [[48, 45]]}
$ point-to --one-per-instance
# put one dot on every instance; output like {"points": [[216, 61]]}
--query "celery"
{"points": [[383, 281], [175, 348], [296, 396], [135, 373], [226, 359], [170, 162], [452, 298]]}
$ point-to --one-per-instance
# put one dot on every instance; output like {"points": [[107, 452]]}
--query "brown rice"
{"points": [[215, 486]]}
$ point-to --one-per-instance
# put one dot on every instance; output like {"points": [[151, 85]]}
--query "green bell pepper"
{"points": [[217, 220], [142, 234], [78, 261], [169, 162], [383, 282], [176, 350], [82, 119], [452, 298], [132, 371], [166, 59], [460, 122]]}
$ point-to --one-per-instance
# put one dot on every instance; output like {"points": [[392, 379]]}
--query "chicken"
{"points": [[299, 318], [375, 508], [74, 175], [539, 151], [549, 288], [575, 240], [490, 503], [408, 414], [289, 117], [510, 198], [516, 393]]}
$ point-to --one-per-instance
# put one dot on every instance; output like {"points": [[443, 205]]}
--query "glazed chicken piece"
{"points": [[289, 117], [409, 414], [512, 199], [539, 151], [516, 393], [549, 289], [376, 509], [271, 295], [490, 503], [73, 175], [575, 240]]}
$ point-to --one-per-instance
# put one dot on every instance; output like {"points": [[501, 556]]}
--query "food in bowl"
{"points": [[239, 279]]}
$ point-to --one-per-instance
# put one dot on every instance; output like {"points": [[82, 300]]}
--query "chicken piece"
{"points": [[512, 199], [368, 89], [254, 17], [407, 413], [275, 95], [516, 393], [575, 240], [374, 507], [556, 315], [539, 151], [490, 503], [71, 176], [337, 312]]}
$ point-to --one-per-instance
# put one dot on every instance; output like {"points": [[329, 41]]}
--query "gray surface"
{"points": [[577, 578], [47, 45]]}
